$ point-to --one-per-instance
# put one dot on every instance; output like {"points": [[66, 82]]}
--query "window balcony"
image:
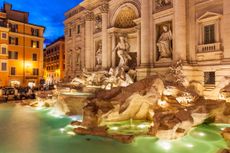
{"points": [[209, 47], [209, 52]]}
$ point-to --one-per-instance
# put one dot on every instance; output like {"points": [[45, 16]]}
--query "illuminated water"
{"points": [[24, 130]]}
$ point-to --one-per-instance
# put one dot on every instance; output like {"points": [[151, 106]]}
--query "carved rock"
{"points": [[226, 134]]}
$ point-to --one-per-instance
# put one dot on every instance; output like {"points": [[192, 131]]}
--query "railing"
{"points": [[2, 14], [209, 47]]}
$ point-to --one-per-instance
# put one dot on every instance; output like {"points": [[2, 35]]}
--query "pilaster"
{"points": [[226, 30], [179, 30], [146, 18], [88, 39], [105, 52]]}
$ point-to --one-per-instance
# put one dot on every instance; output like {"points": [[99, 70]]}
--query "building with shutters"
{"points": [[21, 48]]}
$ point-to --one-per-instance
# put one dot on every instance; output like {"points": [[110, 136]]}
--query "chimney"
{"points": [[7, 7]]}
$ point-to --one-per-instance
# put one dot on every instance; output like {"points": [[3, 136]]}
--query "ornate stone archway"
{"points": [[122, 23], [124, 16]]}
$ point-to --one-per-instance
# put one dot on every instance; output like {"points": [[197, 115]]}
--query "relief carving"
{"points": [[98, 23], [163, 4]]}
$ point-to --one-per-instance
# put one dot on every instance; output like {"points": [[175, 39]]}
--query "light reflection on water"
{"points": [[26, 130]]}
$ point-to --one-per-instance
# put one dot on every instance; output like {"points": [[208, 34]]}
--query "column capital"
{"points": [[138, 27], [89, 16], [113, 33], [104, 6]]}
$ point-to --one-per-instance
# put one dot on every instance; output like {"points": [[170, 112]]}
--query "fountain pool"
{"points": [[27, 130]]}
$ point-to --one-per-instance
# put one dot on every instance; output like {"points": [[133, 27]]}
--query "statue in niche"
{"points": [[70, 63], [163, 3], [99, 55], [164, 43], [78, 53], [122, 50]]}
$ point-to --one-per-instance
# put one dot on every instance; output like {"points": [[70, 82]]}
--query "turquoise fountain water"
{"points": [[26, 130]]}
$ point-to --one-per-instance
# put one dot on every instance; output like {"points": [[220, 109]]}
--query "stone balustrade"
{"points": [[209, 47]]}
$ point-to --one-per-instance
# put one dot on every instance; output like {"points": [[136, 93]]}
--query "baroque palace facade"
{"points": [[156, 33], [21, 48]]}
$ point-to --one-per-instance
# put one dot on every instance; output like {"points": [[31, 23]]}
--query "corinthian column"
{"points": [[105, 55], [192, 31], [226, 30], [88, 37], [180, 30], [146, 11]]}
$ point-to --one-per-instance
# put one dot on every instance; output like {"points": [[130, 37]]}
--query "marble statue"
{"points": [[164, 43], [78, 53], [70, 62], [115, 77], [122, 49], [136, 106], [99, 55]]}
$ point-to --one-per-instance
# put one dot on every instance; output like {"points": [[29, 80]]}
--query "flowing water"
{"points": [[26, 130]]}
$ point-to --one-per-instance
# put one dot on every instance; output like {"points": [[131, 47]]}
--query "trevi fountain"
{"points": [[118, 110], [110, 112]]}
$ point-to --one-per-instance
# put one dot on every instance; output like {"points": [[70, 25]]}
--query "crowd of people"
{"points": [[16, 93], [19, 92]]}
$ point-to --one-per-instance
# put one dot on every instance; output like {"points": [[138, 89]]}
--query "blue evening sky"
{"points": [[48, 13]]}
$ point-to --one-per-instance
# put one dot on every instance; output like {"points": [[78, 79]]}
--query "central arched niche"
{"points": [[123, 22], [125, 17]]}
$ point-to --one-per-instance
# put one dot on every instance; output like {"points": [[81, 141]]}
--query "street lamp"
{"points": [[27, 67]]}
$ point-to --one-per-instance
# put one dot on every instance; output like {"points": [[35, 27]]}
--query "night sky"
{"points": [[48, 13]]}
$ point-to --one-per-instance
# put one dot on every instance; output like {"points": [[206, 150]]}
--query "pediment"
{"points": [[208, 16]]}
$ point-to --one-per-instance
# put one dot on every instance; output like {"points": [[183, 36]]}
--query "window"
{"points": [[3, 66], [34, 44], [35, 71], [34, 57], [13, 71], [79, 29], [34, 32], [4, 50], [209, 78], [70, 32], [4, 35], [2, 23], [12, 55], [13, 40], [13, 27], [209, 34]]}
